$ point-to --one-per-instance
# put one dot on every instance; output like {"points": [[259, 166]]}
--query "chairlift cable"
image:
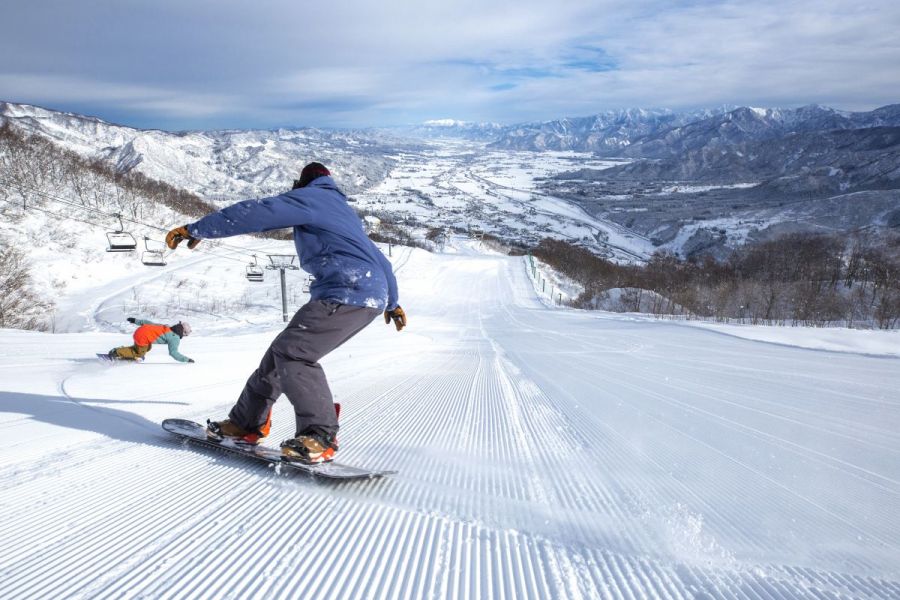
{"points": [[25, 187], [44, 210], [100, 226]]}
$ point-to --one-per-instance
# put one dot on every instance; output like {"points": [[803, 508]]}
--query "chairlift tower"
{"points": [[283, 262]]}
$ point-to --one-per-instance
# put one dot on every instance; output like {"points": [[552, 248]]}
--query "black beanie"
{"points": [[310, 172]]}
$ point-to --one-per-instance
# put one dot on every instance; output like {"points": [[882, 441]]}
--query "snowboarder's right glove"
{"points": [[397, 315], [131, 319], [178, 235], [190, 360]]}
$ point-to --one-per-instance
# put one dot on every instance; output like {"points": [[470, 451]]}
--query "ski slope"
{"points": [[542, 453]]}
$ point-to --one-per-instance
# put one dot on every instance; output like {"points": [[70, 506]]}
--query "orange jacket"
{"points": [[145, 335]]}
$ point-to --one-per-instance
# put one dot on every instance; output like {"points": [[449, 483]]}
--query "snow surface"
{"points": [[834, 339], [542, 453]]}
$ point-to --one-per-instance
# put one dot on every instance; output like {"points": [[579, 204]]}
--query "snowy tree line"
{"points": [[35, 170], [39, 177], [20, 306], [796, 279]]}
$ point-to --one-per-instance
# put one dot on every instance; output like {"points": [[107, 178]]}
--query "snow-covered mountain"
{"points": [[217, 165], [747, 125], [660, 133], [732, 169], [836, 160], [604, 133], [749, 173]]}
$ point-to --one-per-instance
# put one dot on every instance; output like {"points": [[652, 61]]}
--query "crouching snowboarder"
{"points": [[354, 283], [148, 334]]}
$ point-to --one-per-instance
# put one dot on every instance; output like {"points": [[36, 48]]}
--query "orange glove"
{"points": [[398, 316], [178, 235]]}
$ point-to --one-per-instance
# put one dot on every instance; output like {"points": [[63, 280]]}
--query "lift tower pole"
{"points": [[283, 262]]}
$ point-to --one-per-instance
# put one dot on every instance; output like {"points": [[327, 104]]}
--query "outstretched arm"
{"points": [[173, 342], [140, 322], [277, 212]]}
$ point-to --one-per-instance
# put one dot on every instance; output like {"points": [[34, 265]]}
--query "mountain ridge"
{"points": [[668, 176], [221, 165]]}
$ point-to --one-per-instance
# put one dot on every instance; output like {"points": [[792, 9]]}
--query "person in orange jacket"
{"points": [[149, 333]]}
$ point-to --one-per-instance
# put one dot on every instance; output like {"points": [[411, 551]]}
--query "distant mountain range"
{"points": [[833, 169], [747, 125], [815, 150], [819, 162], [724, 145], [217, 165], [812, 150], [640, 133], [607, 133]]}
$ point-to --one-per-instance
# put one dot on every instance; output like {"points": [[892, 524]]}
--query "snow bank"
{"points": [[834, 339]]}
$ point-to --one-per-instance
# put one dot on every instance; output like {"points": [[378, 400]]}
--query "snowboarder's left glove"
{"points": [[190, 360], [397, 315], [131, 320], [178, 235]]}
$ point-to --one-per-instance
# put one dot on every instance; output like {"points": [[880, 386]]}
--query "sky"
{"points": [[203, 64]]}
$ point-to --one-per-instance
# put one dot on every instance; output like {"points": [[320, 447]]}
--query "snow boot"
{"points": [[313, 446], [228, 430]]}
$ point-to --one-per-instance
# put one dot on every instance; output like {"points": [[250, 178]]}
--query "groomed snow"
{"points": [[542, 453]]}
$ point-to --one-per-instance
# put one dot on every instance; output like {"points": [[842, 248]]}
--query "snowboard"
{"points": [[195, 433], [106, 358]]}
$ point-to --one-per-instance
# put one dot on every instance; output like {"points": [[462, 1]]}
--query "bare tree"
{"points": [[20, 306]]}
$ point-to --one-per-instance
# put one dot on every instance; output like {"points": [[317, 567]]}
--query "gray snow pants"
{"points": [[291, 366]]}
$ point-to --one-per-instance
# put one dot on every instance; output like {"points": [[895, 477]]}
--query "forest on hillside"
{"points": [[802, 279]]}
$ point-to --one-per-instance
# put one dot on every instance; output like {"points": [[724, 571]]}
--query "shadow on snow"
{"points": [[85, 414]]}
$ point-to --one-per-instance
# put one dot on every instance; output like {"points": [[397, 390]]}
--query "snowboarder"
{"points": [[149, 333], [354, 283]]}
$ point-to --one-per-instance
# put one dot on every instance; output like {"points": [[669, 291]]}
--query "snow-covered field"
{"points": [[463, 185], [542, 453]]}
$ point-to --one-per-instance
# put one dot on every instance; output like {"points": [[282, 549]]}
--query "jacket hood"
{"points": [[324, 182]]}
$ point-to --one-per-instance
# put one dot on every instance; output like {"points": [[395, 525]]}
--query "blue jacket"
{"points": [[330, 241]]}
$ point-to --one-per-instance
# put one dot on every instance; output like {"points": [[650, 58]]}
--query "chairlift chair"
{"points": [[120, 240], [254, 271], [151, 257]]}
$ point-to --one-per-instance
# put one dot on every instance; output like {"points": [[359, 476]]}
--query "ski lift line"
{"points": [[161, 257], [100, 226], [50, 212], [118, 216], [87, 207], [207, 252]]}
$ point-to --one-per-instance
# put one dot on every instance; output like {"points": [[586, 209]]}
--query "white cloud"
{"points": [[63, 89], [365, 63]]}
